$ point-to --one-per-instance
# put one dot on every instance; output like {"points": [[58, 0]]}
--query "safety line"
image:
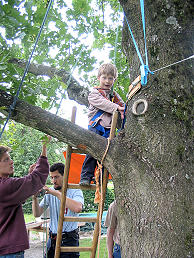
{"points": [[144, 31], [173, 64], [134, 42], [12, 106]]}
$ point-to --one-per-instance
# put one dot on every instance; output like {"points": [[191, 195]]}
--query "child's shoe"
{"points": [[85, 181]]}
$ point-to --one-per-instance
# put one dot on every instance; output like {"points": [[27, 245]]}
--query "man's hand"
{"points": [[31, 168], [46, 139], [121, 110], [52, 191], [48, 190]]}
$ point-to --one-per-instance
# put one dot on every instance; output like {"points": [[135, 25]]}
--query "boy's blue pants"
{"points": [[90, 163]]}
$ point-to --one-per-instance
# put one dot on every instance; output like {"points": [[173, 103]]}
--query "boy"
{"points": [[101, 108], [13, 192]]}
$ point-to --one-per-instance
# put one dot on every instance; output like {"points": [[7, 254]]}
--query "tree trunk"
{"points": [[153, 166]]}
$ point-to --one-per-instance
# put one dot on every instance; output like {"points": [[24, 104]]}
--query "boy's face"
{"points": [[6, 165], [106, 81]]}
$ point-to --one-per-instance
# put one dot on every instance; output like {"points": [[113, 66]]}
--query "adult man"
{"points": [[13, 192], [74, 202], [113, 238]]}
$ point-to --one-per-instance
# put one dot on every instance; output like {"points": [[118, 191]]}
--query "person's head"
{"points": [[6, 163], [56, 174], [107, 74]]}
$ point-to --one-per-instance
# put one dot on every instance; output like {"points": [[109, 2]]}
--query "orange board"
{"points": [[76, 167]]}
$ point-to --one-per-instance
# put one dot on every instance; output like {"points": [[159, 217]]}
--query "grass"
{"points": [[29, 218], [88, 242]]}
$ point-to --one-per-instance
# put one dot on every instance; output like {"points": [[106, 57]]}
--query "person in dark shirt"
{"points": [[14, 192]]}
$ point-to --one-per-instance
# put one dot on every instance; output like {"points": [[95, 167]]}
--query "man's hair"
{"points": [[108, 69], [3, 149], [58, 166]]}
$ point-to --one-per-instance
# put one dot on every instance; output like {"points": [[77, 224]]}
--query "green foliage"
{"points": [[26, 147], [63, 42]]}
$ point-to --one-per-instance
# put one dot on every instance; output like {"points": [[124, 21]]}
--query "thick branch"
{"points": [[55, 126], [74, 89]]}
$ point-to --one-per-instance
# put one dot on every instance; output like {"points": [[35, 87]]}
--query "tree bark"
{"points": [[156, 150]]}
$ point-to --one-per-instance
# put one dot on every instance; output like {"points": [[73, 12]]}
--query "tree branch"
{"points": [[74, 90], [53, 125]]}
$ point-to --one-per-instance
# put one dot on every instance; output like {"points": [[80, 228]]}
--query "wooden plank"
{"points": [[82, 187], [79, 151], [75, 249], [37, 224], [80, 219]]}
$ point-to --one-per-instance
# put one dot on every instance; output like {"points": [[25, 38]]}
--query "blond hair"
{"points": [[108, 69], [3, 149]]}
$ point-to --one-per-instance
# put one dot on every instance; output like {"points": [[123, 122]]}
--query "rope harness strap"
{"points": [[99, 191]]}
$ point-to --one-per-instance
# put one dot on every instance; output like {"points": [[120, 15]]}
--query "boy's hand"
{"points": [[121, 110]]}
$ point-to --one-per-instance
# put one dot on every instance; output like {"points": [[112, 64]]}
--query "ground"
{"points": [[36, 245]]}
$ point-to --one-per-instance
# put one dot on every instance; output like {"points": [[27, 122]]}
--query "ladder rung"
{"points": [[75, 249], [82, 187], [79, 151], [80, 219]]}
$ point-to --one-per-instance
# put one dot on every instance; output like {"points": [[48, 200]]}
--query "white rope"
{"points": [[173, 63]]}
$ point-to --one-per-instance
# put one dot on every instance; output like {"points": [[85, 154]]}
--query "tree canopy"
{"points": [[66, 47]]}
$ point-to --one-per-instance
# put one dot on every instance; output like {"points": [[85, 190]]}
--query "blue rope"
{"points": [[144, 32], [12, 106], [144, 69], [134, 42]]}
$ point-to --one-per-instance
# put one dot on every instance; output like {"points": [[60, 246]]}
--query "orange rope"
{"points": [[99, 191]]}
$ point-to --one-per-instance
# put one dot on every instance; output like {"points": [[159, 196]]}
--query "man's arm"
{"points": [[110, 242], [36, 209], [71, 204]]}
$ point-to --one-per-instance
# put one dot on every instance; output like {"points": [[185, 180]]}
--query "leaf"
{"points": [[3, 67]]}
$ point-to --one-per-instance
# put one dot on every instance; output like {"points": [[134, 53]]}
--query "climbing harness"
{"points": [[94, 120], [12, 106]]}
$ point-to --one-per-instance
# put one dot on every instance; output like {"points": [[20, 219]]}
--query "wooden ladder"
{"points": [[62, 218]]}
